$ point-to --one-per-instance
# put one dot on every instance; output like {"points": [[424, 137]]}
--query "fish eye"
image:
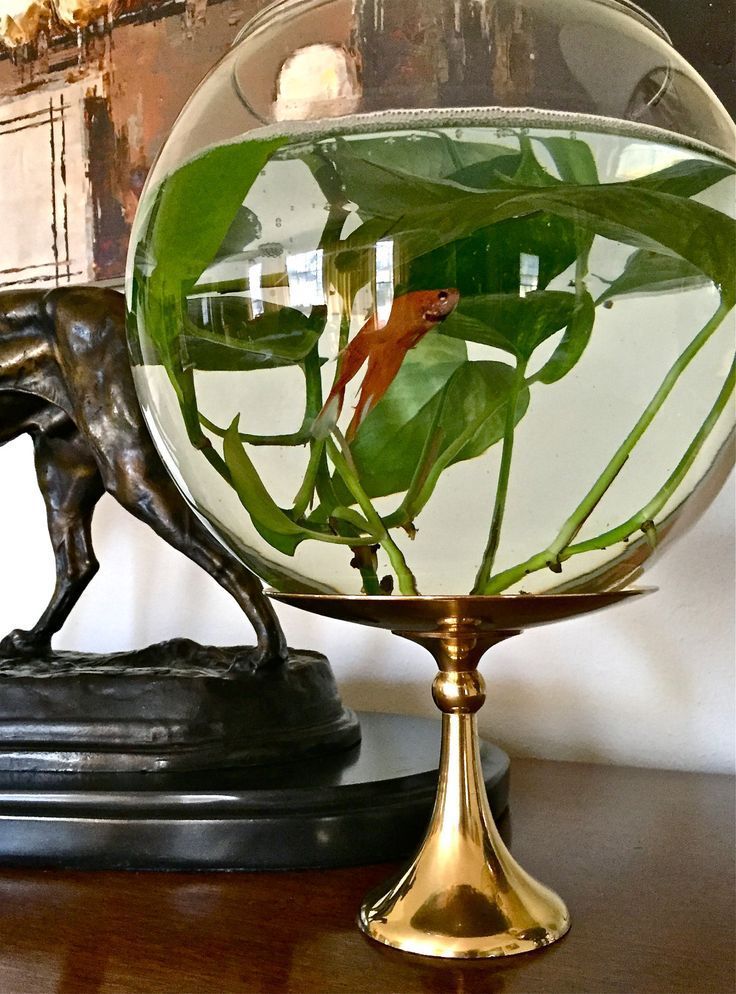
{"points": [[443, 295]]}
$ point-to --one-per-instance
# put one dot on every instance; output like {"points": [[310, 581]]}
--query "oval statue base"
{"points": [[173, 707], [368, 803]]}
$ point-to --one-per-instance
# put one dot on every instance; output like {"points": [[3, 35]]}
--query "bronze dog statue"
{"points": [[65, 380]]}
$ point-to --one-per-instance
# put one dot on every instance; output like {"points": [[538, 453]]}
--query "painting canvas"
{"points": [[90, 88], [88, 92]]}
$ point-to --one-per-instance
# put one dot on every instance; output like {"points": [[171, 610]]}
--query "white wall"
{"points": [[649, 684]]}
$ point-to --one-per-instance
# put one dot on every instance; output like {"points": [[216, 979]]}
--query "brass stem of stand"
{"points": [[463, 895]]}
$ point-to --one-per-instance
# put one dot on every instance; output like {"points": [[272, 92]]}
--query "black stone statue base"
{"points": [[365, 804], [173, 706]]}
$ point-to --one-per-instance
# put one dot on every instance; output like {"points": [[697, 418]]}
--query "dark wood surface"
{"points": [[644, 859]]}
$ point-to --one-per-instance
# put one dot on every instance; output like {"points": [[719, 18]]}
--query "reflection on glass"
{"points": [[305, 279], [528, 274], [317, 79], [255, 288], [384, 279]]}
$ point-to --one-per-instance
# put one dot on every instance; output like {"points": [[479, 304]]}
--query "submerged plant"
{"points": [[459, 216]]}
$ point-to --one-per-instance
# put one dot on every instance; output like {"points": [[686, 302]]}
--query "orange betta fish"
{"points": [[383, 347]]}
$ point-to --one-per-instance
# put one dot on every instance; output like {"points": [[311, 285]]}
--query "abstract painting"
{"points": [[88, 92]]}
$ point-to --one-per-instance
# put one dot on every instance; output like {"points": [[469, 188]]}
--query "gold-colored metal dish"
{"points": [[463, 895]]}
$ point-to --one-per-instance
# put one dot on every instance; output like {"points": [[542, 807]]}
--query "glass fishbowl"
{"points": [[432, 297]]}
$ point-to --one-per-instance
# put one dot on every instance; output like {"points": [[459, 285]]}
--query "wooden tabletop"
{"points": [[644, 859]]}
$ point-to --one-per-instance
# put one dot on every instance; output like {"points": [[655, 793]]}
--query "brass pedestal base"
{"points": [[463, 896]]}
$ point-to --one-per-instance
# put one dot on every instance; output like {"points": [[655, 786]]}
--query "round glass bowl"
{"points": [[438, 298]]}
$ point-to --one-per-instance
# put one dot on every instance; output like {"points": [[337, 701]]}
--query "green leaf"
{"points": [[387, 190], [520, 168], [574, 342], [656, 221], [432, 155], [650, 272], [459, 404], [481, 391], [573, 158], [686, 179], [268, 518], [384, 185], [358, 259], [531, 172], [271, 521], [489, 174], [229, 341], [189, 216], [406, 409], [470, 417], [199, 204], [514, 324], [633, 215], [489, 261], [650, 213]]}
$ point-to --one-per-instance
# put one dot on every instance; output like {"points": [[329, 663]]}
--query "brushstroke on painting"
{"points": [[88, 92]]}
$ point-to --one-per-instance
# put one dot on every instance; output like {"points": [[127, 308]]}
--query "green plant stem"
{"points": [[551, 556], [423, 480], [502, 487], [339, 452], [648, 513], [430, 468], [351, 517], [313, 403], [450, 148], [429, 462], [364, 560], [300, 437], [344, 336]]}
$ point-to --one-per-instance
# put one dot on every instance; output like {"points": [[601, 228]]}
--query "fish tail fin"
{"points": [[353, 357], [382, 370], [366, 402], [327, 417]]}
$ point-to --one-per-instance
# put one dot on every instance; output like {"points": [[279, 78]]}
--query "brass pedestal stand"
{"points": [[463, 896]]}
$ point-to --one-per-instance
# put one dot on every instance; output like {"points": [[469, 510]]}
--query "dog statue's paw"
{"points": [[22, 643], [255, 659]]}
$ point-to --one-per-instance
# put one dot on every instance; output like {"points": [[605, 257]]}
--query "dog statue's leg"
{"points": [[144, 488], [89, 329], [71, 486]]}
